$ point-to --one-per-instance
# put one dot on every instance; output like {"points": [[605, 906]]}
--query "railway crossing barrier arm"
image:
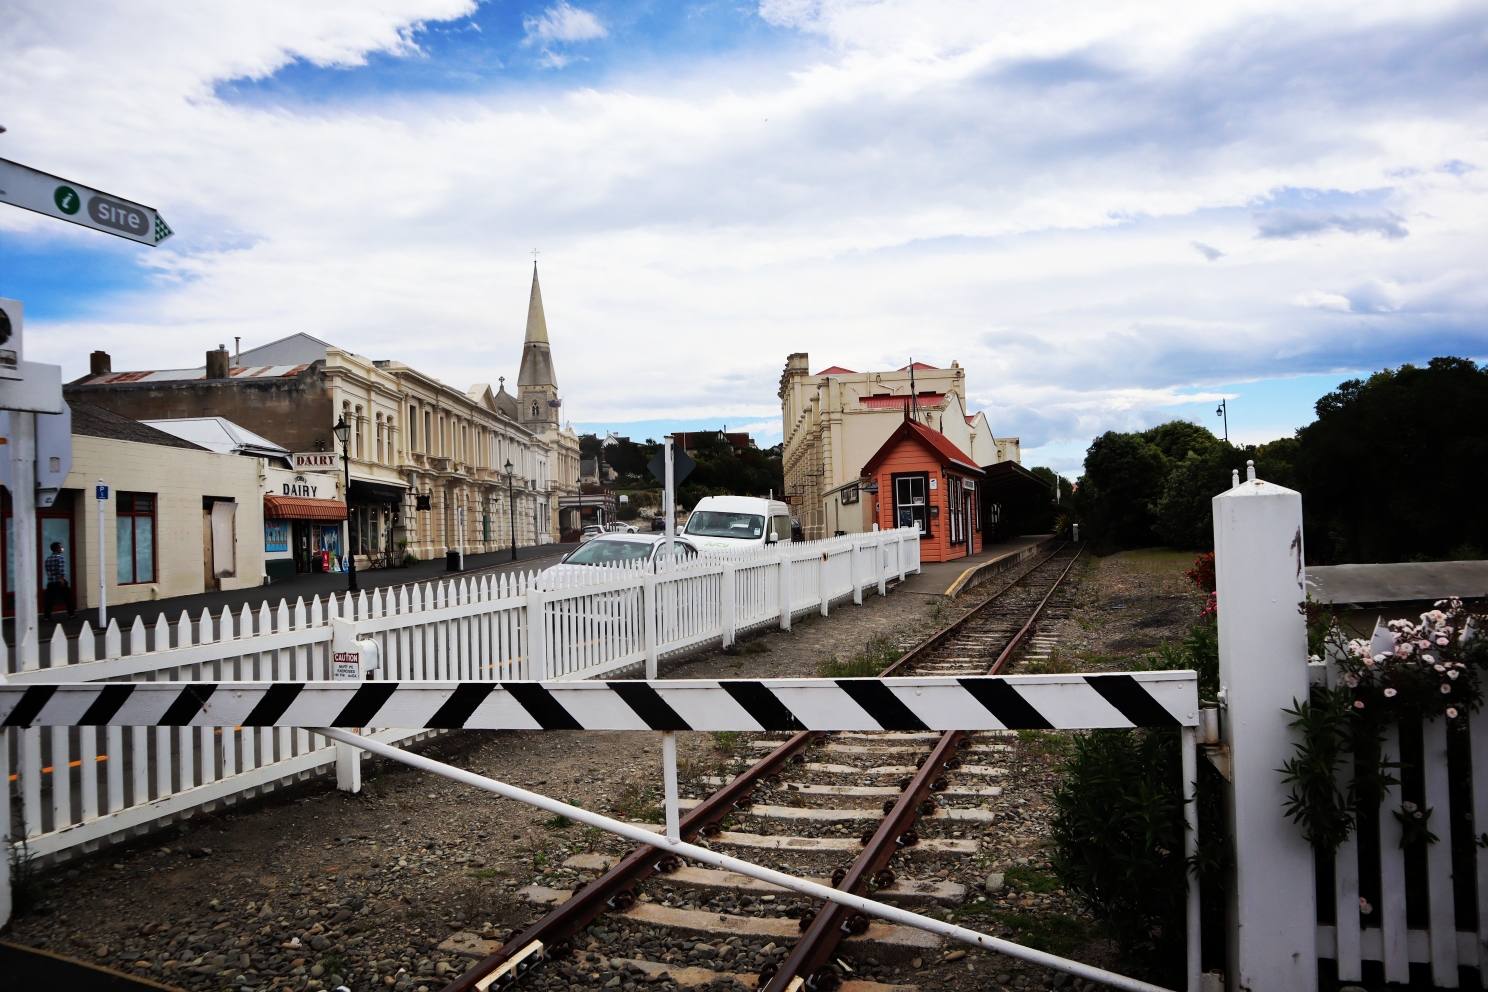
{"points": [[706, 856]]}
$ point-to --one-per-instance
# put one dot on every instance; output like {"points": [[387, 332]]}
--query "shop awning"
{"points": [[364, 492], [303, 508]]}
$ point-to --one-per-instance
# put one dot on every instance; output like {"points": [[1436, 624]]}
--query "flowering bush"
{"points": [[1429, 668], [1202, 575]]}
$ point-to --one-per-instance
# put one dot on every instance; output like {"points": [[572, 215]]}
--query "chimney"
{"points": [[217, 363], [99, 363]]}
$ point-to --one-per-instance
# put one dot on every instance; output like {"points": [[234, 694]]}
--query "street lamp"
{"points": [[342, 430], [511, 505], [1223, 410]]}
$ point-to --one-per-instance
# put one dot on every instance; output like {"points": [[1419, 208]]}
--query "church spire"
{"points": [[537, 384], [537, 360]]}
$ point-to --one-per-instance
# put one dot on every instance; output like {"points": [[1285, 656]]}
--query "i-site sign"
{"points": [[23, 186]]}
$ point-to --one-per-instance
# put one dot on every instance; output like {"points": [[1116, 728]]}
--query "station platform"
{"points": [[30, 968], [948, 578]]}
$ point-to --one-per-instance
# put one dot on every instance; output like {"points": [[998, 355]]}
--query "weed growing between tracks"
{"points": [[876, 655]]}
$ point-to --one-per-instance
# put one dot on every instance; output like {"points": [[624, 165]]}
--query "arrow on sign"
{"points": [[682, 466], [23, 186]]}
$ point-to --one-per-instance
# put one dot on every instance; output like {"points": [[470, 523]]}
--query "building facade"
{"points": [[432, 468], [833, 422]]}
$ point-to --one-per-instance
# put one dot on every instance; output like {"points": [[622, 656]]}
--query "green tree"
{"points": [[1124, 474], [1395, 466], [1177, 438]]}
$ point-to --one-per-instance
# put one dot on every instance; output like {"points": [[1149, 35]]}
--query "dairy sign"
{"points": [[304, 488], [314, 461]]}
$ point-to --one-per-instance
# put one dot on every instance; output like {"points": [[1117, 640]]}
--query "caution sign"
{"points": [[346, 665]]}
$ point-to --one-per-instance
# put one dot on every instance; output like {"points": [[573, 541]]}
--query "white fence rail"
{"points": [[72, 788]]}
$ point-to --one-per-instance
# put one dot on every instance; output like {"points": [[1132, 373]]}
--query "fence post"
{"points": [[648, 620], [899, 551], [1271, 933], [857, 586], [537, 641], [727, 608], [785, 591], [348, 768], [823, 581], [881, 564]]}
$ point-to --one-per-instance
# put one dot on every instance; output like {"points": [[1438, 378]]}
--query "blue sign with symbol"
{"points": [[101, 492]]}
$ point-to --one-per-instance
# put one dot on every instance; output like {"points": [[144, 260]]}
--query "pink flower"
{"points": [[1390, 693], [1451, 712], [1446, 687], [1358, 704]]}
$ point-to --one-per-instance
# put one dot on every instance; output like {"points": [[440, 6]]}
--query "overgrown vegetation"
{"points": [[638, 802], [26, 891], [1118, 828], [876, 655], [1155, 486]]}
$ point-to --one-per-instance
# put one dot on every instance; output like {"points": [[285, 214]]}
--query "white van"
{"points": [[720, 523]]}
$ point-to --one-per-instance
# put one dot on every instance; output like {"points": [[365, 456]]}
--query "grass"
{"points": [[487, 872], [334, 964], [876, 655], [1055, 664], [1030, 879], [638, 802], [26, 890], [1055, 933], [728, 741], [558, 822]]}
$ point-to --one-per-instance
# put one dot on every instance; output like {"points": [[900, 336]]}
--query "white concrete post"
{"points": [[899, 552], [102, 560], [669, 775], [727, 608], [348, 768], [1272, 913], [785, 592]]}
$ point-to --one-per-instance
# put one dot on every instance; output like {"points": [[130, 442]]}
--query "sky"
{"points": [[1111, 214]]}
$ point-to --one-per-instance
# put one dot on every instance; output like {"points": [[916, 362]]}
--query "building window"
{"points": [[428, 433], [380, 458], [135, 526], [910, 509], [360, 420], [534, 410], [412, 427]]}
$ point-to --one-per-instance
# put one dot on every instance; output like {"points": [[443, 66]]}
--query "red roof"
{"points": [[935, 442], [836, 370], [883, 402], [920, 367]]}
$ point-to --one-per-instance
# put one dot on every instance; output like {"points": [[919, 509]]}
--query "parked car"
{"points": [[621, 527], [658, 523], [590, 533], [621, 549]]}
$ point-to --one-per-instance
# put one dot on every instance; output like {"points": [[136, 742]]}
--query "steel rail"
{"points": [[706, 856], [938, 638], [812, 954], [814, 950], [1023, 631], [615, 888]]}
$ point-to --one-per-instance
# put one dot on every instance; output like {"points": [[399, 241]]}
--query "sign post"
{"points": [[670, 467], [32, 189], [101, 495]]}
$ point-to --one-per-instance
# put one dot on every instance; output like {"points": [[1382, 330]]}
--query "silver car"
{"points": [[635, 550]]}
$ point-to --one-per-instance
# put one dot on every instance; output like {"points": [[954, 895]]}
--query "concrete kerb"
{"points": [[981, 574]]}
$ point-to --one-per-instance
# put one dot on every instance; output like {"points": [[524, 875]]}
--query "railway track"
{"points": [[848, 809]]}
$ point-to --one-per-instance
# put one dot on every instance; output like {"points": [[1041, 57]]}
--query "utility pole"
{"points": [[342, 430], [102, 494]]}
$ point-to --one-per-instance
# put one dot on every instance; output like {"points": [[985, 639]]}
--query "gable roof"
{"points": [[836, 370], [297, 349], [920, 367], [932, 441], [94, 421]]}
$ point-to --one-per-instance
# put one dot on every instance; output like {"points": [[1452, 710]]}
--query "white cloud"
{"points": [[562, 23], [1030, 191]]}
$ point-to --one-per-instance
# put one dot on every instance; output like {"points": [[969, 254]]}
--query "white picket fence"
{"points": [[1374, 909], [594, 621]]}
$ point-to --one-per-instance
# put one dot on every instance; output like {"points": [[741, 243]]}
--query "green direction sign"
{"points": [[64, 199]]}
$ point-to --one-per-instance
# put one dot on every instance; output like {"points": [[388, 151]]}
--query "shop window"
{"points": [[910, 509], [276, 535], [412, 428], [428, 433], [135, 527], [380, 459]]}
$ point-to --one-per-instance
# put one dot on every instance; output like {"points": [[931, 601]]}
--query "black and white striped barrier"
{"points": [[1019, 702]]}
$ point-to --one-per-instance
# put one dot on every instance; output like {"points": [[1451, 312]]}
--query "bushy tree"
{"points": [[1395, 466], [1124, 474]]}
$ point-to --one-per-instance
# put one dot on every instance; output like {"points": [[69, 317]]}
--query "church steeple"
{"points": [[537, 384]]}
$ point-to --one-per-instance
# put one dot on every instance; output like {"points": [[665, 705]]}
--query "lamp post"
{"points": [[1223, 410], [342, 430], [511, 505]]}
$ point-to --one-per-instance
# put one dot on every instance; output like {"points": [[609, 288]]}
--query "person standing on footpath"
{"points": [[55, 570]]}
